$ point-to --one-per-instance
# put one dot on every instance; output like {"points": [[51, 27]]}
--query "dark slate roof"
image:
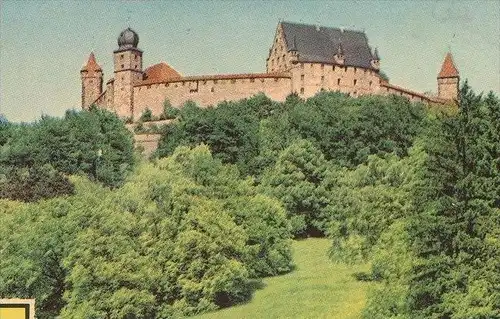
{"points": [[319, 44]]}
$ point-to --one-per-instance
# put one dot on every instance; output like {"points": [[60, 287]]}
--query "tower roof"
{"points": [[128, 39], [448, 69], [91, 65], [160, 72]]}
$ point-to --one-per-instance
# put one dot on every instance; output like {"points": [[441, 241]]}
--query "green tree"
{"points": [[455, 233], [296, 180]]}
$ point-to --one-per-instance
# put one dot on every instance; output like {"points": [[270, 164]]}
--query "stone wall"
{"points": [[310, 78], [147, 143], [448, 88], [386, 89], [209, 90]]}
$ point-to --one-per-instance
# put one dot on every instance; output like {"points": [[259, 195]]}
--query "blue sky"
{"points": [[43, 44]]}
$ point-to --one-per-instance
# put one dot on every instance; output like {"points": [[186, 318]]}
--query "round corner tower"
{"points": [[128, 71]]}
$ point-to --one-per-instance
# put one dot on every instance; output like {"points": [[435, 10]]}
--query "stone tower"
{"points": [[448, 79], [128, 70], [91, 75]]}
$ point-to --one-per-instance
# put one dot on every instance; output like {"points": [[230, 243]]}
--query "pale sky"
{"points": [[43, 44]]}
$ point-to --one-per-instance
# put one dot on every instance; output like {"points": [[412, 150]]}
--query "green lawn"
{"points": [[317, 288]]}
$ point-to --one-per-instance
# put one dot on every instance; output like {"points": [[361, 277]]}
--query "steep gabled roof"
{"points": [[320, 44], [91, 65], [448, 69]]}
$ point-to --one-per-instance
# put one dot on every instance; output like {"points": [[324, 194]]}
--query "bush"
{"points": [[146, 116]]}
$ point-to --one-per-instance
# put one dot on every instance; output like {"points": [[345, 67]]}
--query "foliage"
{"points": [[364, 202], [178, 238], [34, 183], [94, 143], [455, 232], [146, 115], [296, 179], [169, 112]]}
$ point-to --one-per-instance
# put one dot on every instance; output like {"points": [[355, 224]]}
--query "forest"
{"points": [[93, 230]]}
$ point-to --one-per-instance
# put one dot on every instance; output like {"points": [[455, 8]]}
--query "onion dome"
{"points": [[128, 39], [91, 65], [448, 69]]}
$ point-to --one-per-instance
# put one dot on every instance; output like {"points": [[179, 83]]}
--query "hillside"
{"points": [[317, 288]]}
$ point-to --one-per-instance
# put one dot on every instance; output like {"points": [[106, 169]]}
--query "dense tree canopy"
{"points": [[94, 143], [412, 190]]}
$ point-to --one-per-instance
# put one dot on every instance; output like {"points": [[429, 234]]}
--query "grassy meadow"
{"points": [[317, 288]]}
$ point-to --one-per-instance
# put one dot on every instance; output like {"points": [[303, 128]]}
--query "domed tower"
{"points": [[91, 75], [128, 71], [448, 79]]}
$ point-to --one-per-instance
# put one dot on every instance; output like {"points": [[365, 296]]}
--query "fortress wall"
{"points": [[387, 89], [207, 91], [310, 78]]}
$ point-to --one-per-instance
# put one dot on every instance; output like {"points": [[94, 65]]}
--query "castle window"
{"points": [[345, 69], [302, 77], [276, 79], [204, 82], [123, 66], [355, 69], [301, 90], [355, 81], [338, 81], [252, 80], [121, 56], [149, 86], [322, 78], [136, 57], [333, 68], [370, 83], [136, 66], [262, 80], [212, 89], [166, 84]]}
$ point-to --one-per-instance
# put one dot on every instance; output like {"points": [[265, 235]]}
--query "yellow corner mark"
{"points": [[12, 313]]}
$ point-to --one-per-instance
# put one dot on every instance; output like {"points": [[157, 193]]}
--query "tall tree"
{"points": [[455, 234]]}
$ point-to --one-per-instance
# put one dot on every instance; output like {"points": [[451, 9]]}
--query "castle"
{"points": [[303, 59]]}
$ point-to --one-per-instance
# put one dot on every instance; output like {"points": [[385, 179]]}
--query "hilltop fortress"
{"points": [[303, 59]]}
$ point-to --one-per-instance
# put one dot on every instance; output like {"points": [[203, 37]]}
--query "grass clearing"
{"points": [[317, 288]]}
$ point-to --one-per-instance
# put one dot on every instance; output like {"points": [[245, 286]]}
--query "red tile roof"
{"points": [[91, 65], [160, 72], [448, 70]]}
